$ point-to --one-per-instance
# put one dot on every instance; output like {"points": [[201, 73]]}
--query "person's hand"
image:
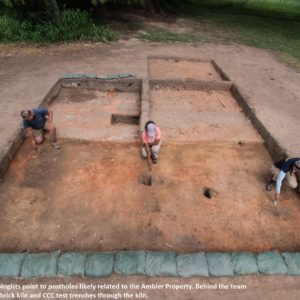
{"points": [[149, 164], [275, 201], [156, 142], [34, 145]]}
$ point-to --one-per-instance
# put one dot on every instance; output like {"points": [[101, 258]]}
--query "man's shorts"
{"points": [[39, 134]]}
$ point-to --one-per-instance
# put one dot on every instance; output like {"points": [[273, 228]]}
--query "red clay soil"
{"points": [[160, 68], [88, 197]]}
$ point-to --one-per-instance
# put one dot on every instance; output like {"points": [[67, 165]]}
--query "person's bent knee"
{"points": [[155, 154], [39, 140], [50, 127], [293, 185], [155, 150], [144, 153]]}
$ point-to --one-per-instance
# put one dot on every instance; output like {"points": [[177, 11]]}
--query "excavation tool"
{"points": [[149, 179]]}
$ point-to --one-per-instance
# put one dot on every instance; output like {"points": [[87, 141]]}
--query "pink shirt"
{"points": [[148, 140]]}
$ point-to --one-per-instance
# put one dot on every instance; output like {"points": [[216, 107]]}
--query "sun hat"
{"points": [[151, 130]]}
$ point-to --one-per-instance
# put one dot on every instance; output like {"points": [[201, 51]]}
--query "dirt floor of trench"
{"points": [[175, 68], [88, 197], [200, 115], [87, 114]]}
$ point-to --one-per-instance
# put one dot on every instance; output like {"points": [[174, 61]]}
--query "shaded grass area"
{"points": [[275, 8], [227, 28], [156, 34], [73, 25], [278, 35]]}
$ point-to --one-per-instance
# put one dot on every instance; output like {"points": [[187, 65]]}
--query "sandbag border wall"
{"points": [[151, 264]]}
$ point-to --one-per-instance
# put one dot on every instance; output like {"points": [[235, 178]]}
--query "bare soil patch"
{"points": [[88, 197], [160, 68], [193, 115], [87, 114]]}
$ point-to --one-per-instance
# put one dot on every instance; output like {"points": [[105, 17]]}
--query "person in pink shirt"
{"points": [[151, 142]]}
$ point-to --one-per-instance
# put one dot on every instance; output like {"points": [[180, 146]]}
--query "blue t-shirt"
{"points": [[286, 165], [39, 120]]}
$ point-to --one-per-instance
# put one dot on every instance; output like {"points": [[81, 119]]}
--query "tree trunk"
{"points": [[152, 6], [56, 11]]}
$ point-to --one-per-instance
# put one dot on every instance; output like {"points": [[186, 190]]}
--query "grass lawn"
{"points": [[223, 26]]}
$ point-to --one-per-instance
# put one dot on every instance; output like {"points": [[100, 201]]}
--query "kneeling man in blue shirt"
{"points": [[36, 121], [286, 168]]}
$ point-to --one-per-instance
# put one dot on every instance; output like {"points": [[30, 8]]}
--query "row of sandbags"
{"points": [[53, 264]]}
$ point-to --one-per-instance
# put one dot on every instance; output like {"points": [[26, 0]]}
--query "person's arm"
{"points": [[50, 116], [148, 155], [156, 142], [148, 151], [280, 177], [47, 114]]}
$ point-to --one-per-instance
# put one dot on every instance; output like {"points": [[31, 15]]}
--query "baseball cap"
{"points": [[151, 130], [297, 164]]}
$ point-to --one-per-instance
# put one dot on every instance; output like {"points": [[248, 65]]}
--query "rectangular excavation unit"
{"points": [[183, 68], [102, 113], [189, 115]]}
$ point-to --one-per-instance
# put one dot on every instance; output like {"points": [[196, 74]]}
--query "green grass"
{"points": [[156, 34], [276, 8], [74, 25], [276, 34], [227, 28]]}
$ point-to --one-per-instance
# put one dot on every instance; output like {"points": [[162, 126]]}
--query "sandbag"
{"points": [[40, 265], [130, 263], [244, 263], [114, 76], [72, 264], [292, 260], [78, 75], [11, 263], [95, 76], [219, 264], [271, 263], [99, 264], [161, 264], [189, 265]]}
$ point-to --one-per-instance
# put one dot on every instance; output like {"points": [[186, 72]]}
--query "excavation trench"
{"points": [[205, 193]]}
